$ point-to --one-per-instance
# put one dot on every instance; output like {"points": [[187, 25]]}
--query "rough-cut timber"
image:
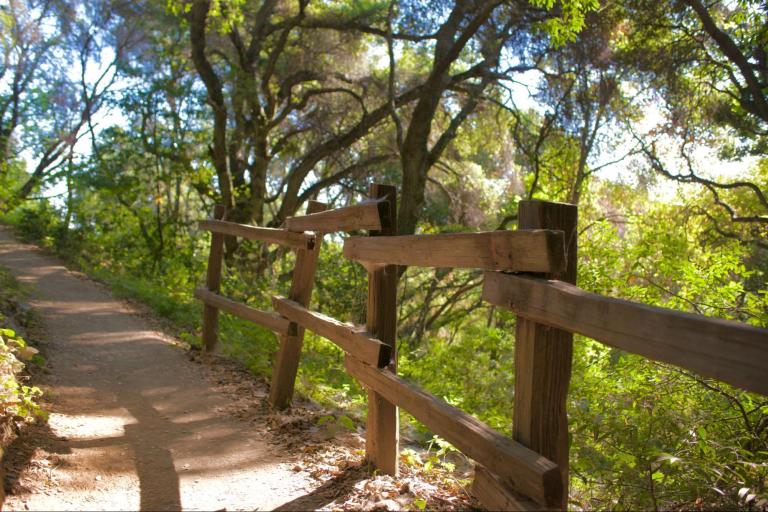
{"points": [[213, 283], [523, 250], [543, 356], [268, 235], [287, 361], [352, 339], [533, 474], [382, 436], [721, 349], [371, 214], [496, 495], [271, 321]]}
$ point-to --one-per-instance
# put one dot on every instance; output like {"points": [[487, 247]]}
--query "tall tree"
{"points": [[27, 65], [709, 64], [585, 102], [50, 104], [285, 92]]}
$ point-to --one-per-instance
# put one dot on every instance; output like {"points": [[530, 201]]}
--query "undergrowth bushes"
{"points": [[18, 401]]}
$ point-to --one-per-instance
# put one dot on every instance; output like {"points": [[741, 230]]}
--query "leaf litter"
{"points": [[328, 448]]}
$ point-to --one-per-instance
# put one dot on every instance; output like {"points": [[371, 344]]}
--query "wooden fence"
{"points": [[530, 271]]}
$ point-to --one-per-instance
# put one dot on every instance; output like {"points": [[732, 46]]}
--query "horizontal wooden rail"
{"points": [[537, 250], [371, 215], [271, 321], [350, 338], [531, 473], [496, 495], [721, 349], [268, 235]]}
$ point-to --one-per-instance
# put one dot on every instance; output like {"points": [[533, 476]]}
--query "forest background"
{"points": [[123, 122]]}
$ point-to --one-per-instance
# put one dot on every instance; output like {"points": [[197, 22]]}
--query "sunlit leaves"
{"points": [[566, 26]]}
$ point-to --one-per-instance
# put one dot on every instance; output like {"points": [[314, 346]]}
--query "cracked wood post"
{"points": [[543, 355], [382, 437], [287, 361], [213, 283]]}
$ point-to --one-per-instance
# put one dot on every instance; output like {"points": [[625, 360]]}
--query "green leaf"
{"points": [[346, 422]]}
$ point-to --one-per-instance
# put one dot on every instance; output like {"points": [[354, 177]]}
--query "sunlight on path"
{"points": [[139, 426]]}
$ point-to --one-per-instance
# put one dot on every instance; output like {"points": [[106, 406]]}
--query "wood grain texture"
{"points": [[533, 474], [213, 282], [382, 437], [494, 494], [350, 338], [543, 356], [523, 251], [270, 320], [267, 235], [729, 351], [371, 214], [287, 360]]}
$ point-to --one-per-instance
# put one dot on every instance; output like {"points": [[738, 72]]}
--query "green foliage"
{"points": [[647, 435], [565, 27], [436, 456], [17, 400], [38, 222], [12, 175], [473, 371]]}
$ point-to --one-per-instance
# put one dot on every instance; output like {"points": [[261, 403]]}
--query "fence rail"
{"points": [[534, 475], [271, 321], [539, 250], [350, 338], [371, 215], [721, 349], [268, 235], [530, 470]]}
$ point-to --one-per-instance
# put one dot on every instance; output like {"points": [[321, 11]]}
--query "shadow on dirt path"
{"points": [[136, 424]]}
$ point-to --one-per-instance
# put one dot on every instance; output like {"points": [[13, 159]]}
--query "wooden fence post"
{"points": [[213, 283], [543, 355], [287, 361], [382, 437]]}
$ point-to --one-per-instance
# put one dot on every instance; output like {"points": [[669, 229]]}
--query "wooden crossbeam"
{"points": [[537, 250], [352, 339], [287, 360], [495, 494], [268, 235], [271, 321], [370, 215], [721, 349], [533, 475]]}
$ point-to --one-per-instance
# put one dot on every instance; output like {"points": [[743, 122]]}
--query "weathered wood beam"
{"points": [[534, 475], [271, 321], [371, 215], [210, 332], [352, 339], [495, 494], [538, 250], [287, 359], [382, 424], [382, 434], [729, 351], [268, 235], [543, 356]]}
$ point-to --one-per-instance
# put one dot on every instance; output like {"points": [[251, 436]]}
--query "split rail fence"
{"points": [[530, 271]]}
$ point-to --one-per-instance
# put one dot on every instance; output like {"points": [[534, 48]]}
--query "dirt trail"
{"points": [[135, 423]]}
